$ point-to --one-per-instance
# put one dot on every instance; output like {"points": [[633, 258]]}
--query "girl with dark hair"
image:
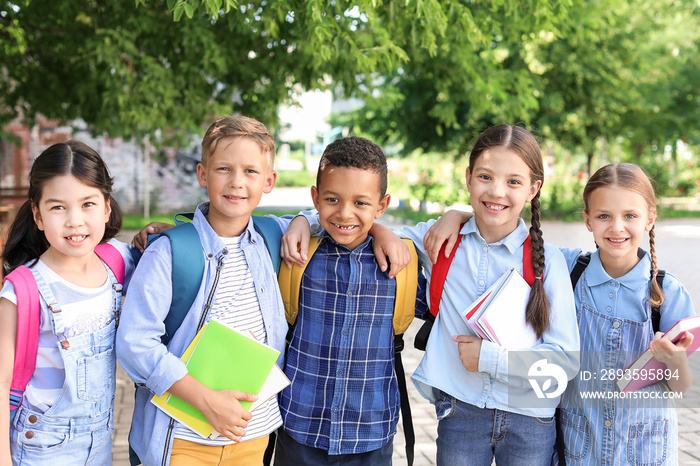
{"points": [[65, 414]]}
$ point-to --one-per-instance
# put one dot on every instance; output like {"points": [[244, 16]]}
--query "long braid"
{"points": [[537, 311], [656, 294]]}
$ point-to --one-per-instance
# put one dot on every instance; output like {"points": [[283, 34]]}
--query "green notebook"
{"points": [[226, 359]]}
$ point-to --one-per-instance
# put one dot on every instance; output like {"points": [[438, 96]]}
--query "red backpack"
{"points": [[29, 320], [437, 284]]}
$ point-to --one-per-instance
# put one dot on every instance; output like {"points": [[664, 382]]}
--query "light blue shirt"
{"points": [[502, 381], [155, 367]]}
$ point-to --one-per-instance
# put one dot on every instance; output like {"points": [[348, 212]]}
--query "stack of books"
{"points": [[224, 359], [498, 315]]}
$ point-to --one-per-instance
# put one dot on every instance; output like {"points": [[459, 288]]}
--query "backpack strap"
{"points": [[406, 288], [272, 235], [582, 262], [113, 258], [289, 280], [27, 341], [656, 310], [528, 269], [187, 274]]}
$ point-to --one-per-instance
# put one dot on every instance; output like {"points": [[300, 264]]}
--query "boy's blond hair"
{"points": [[238, 126]]}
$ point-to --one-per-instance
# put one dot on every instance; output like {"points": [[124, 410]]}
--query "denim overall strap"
{"points": [[609, 431], [55, 307]]}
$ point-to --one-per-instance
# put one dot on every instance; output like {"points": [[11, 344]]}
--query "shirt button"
{"points": [[345, 332], [616, 324], [349, 293], [486, 248], [481, 283], [252, 240], [486, 387], [210, 256], [29, 434], [32, 419], [608, 423], [614, 284], [335, 410], [609, 309], [225, 251], [339, 373], [611, 295]]}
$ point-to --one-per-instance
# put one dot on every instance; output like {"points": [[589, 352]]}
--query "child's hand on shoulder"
{"points": [[444, 231], [154, 228], [294, 247], [469, 348]]}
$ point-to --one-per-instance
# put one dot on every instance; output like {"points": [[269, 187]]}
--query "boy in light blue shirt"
{"points": [[236, 169]]}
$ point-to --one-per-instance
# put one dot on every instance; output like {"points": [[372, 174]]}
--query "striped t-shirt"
{"points": [[84, 310], [235, 304]]}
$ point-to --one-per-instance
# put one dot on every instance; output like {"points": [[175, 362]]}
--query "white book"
{"points": [[498, 315]]}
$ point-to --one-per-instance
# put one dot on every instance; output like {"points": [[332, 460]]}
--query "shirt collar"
{"points": [[326, 236], [633, 280], [513, 241], [210, 240]]}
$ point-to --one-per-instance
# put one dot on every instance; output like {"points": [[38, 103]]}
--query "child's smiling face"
{"points": [[348, 201], [499, 186], [236, 175], [72, 215], [618, 219]]}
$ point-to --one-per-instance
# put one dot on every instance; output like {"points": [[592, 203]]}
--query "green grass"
{"points": [[137, 221]]}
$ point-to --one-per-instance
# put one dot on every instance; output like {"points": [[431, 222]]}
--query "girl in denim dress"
{"points": [[614, 296], [66, 413]]}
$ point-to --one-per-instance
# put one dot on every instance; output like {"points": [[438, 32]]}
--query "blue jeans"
{"points": [[289, 452], [468, 435]]}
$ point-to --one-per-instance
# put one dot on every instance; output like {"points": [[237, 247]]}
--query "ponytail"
{"points": [[25, 242], [537, 310]]}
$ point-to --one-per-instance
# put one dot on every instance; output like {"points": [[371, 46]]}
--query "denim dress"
{"points": [[641, 428], [77, 428]]}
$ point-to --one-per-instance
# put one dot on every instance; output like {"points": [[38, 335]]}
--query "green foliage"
{"points": [[295, 178]]}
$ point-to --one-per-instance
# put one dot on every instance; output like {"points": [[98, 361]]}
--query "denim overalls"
{"points": [[77, 428], [641, 431]]}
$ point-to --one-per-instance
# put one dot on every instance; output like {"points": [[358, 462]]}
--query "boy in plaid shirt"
{"points": [[343, 404]]}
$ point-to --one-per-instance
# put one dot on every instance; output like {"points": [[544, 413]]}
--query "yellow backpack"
{"points": [[406, 285]]}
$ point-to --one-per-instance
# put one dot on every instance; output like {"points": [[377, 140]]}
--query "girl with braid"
{"points": [[614, 298], [485, 403]]}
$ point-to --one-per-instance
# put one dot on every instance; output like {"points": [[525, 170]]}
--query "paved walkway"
{"points": [[677, 249]]}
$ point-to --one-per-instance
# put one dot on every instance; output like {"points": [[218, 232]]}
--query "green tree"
{"points": [[131, 71], [620, 72]]}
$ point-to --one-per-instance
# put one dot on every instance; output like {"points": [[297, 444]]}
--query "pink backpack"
{"points": [[29, 320]]}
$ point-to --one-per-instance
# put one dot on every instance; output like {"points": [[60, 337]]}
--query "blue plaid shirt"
{"points": [[344, 396]]}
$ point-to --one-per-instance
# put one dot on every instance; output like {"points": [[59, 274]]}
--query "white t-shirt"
{"points": [[236, 304]]}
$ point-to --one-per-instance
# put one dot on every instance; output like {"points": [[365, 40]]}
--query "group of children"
{"points": [[342, 405]]}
